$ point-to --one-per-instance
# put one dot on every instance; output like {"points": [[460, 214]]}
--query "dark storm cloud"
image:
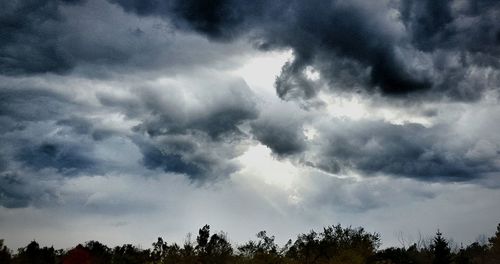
{"points": [[200, 107], [408, 49], [173, 161], [192, 135], [179, 127], [39, 37], [188, 155], [193, 120], [219, 19], [389, 47], [404, 58], [94, 38], [66, 157], [467, 25], [462, 37], [293, 83], [314, 30], [63, 129], [217, 123], [27, 114], [408, 150], [49, 136], [460, 145], [31, 104], [280, 140], [427, 20], [23, 188], [321, 31], [13, 192], [29, 35], [283, 136]]}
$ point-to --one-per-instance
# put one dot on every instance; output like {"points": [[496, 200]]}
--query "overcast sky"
{"points": [[125, 120]]}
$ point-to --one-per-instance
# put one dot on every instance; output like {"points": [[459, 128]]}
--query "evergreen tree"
{"points": [[440, 249]]}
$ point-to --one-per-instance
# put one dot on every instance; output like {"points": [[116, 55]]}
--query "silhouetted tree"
{"points": [[159, 252], [440, 249], [213, 249], [420, 253], [5, 255], [202, 238], [335, 245], [475, 253], [392, 256], [494, 245], [129, 254], [265, 250], [78, 255], [174, 255], [189, 252], [33, 254], [218, 249], [99, 253]]}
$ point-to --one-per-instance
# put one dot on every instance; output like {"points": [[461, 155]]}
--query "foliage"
{"points": [[441, 250], [5, 255], [334, 245]]}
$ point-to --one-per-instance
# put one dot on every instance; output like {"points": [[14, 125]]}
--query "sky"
{"points": [[125, 120]]}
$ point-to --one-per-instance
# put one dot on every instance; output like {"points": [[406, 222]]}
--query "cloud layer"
{"points": [[150, 98], [398, 48]]}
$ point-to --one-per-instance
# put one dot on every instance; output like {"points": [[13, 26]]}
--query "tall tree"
{"points": [[5, 256], [202, 238], [440, 249]]}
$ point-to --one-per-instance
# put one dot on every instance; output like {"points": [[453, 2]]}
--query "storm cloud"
{"points": [[183, 126], [408, 150], [398, 48], [402, 49], [296, 111], [448, 144]]}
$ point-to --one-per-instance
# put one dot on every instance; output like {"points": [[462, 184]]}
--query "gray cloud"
{"points": [[283, 140], [304, 27], [58, 37], [444, 152], [220, 20], [29, 37], [64, 156], [43, 104], [12, 194], [412, 58], [455, 145], [184, 125], [463, 25], [193, 155], [83, 126], [408, 150], [112, 110], [24, 187], [50, 123], [280, 128], [401, 49], [195, 135]]}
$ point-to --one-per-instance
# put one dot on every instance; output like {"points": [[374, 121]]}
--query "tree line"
{"points": [[333, 245]]}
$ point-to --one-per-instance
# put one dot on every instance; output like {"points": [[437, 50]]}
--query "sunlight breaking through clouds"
{"points": [[277, 115]]}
